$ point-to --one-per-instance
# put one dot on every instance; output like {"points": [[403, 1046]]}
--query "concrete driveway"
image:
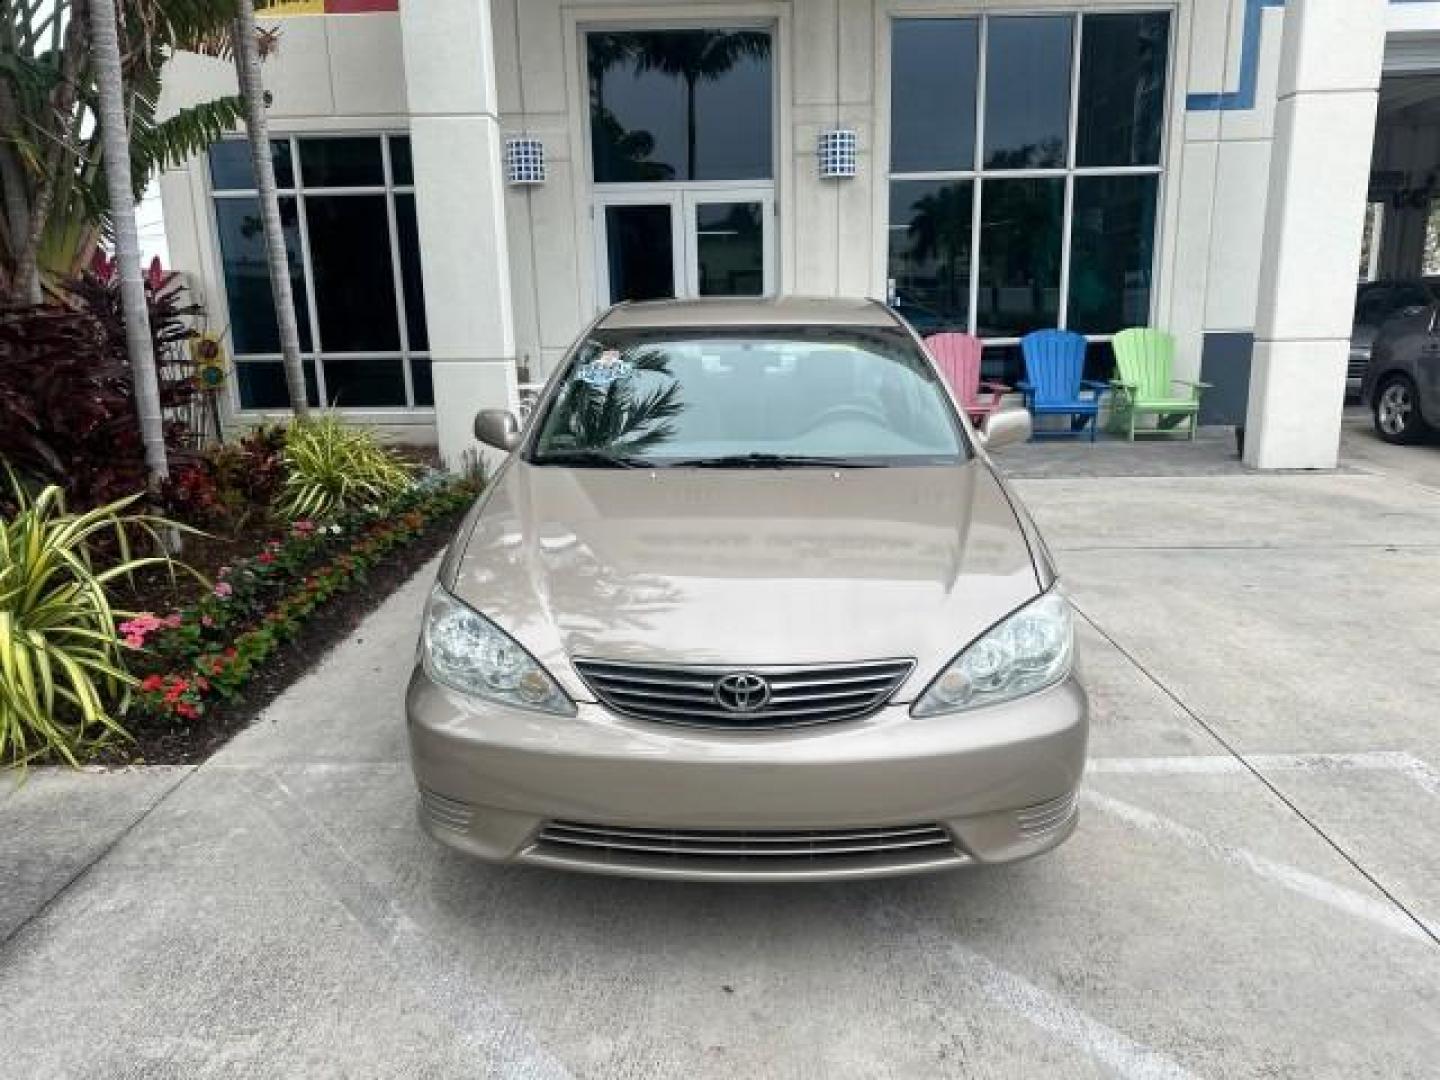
{"points": [[1254, 889]]}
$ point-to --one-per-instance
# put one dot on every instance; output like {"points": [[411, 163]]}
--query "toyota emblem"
{"points": [[742, 691]]}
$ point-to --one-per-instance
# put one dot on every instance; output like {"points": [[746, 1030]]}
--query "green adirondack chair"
{"points": [[1143, 386]]}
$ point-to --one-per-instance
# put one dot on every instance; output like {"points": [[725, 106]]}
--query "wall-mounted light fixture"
{"points": [[524, 160], [836, 153]]}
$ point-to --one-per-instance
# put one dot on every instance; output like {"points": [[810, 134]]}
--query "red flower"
{"points": [[267, 557], [188, 711], [152, 683]]}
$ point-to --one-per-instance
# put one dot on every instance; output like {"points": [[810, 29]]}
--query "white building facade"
{"points": [[467, 183]]}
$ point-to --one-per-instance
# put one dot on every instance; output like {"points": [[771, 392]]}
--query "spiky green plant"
{"points": [[332, 467], [62, 672]]}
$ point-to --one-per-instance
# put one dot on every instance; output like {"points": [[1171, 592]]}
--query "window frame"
{"points": [[317, 354], [1069, 173]]}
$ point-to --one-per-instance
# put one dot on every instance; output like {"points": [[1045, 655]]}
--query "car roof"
{"points": [[733, 313]]}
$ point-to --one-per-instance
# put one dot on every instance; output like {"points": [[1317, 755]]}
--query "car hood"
{"points": [[745, 567]]}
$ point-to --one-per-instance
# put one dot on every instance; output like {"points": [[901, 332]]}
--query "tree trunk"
{"points": [[247, 68], [26, 283], [115, 141]]}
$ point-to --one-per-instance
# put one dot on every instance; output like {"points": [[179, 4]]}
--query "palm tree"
{"points": [[115, 138], [247, 68], [693, 55]]}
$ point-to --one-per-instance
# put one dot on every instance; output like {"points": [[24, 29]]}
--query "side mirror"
{"points": [[497, 428], [1005, 427]]}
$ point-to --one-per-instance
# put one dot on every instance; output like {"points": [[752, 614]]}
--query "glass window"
{"points": [[423, 382], [1021, 236], [670, 105], [354, 283], [230, 168], [1122, 88], [1027, 103], [247, 273], [1112, 252], [344, 269], [349, 162], [261, 384], [409, 237], [730, 248], [1097, 213], [641, 252], [856, 396], [361, 383], [930, 229], [932, 97], [402, 172]]}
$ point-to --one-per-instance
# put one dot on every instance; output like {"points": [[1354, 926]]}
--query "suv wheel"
{"points": [[1397, 411]]}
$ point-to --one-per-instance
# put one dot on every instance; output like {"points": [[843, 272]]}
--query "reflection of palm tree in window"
{"points": [[616, 417], [624, 152], [940, 230], [692, 56]]}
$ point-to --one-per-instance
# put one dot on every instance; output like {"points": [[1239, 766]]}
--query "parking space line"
{"points": [[499, 1038], [1379, 912], [1254, 770], [1399, 761], [1046, 1011]]}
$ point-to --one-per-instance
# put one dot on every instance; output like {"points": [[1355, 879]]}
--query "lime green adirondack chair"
{"points": [[1143, 386]]}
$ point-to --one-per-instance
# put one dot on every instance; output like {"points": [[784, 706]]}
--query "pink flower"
{"points": [[223, 589]]}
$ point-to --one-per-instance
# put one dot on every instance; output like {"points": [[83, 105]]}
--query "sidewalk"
{"points": [[1250, 893]]}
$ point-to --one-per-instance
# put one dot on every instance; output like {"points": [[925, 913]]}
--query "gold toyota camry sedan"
{"points": [[747, 601]]}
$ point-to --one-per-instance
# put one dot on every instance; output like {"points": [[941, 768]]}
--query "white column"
{"points": [[1330, 68], [460, 207]]}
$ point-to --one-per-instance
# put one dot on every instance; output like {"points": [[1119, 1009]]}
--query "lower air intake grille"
{"points": [[778, 696], [754, 854]]}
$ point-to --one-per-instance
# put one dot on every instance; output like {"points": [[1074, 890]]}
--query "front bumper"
{"points": [[866, 798]]}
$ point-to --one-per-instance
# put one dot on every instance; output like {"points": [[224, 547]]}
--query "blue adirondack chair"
{"points": [[1055, 384]]}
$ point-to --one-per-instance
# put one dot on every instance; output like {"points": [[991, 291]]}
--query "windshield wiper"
{"points": [[771, 461], [591, 459]]}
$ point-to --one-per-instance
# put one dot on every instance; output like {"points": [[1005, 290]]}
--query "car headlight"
{"points": [[1028, 651], [467, 652]]}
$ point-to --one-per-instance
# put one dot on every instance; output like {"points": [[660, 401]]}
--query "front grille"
{"points": [[745, 853], [797, 695]]}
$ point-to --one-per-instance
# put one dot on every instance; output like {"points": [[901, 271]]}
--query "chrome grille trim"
{"points": [[750, 854], [1046, 817], [446, 813], [799, 695]]}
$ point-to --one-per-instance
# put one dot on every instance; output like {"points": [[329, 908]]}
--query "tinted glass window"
{"points": [[932, 94], [247, 274], [341, 162], [354, 284], [858, 396], [230, 164], [1020, 243], [1112, 252], [641, 252], [1122, 88], [262, 384], [929, 258], [680, 105], [422, 382], [1027, 102], [730, 248], [402, 172], [410, 276], [354, 384]]}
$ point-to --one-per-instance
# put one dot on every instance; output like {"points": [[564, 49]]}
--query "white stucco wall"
{"points": [[339, 72]]}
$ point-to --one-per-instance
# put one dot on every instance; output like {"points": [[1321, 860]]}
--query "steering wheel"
{"points": [[848, 409]]}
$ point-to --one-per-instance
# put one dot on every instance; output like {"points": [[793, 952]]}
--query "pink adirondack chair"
{"points": [[958, 358]]}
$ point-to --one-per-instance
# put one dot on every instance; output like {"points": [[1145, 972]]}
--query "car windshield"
{"points": [[797, 397]]}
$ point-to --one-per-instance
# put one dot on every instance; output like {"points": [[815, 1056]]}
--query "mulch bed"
{"points": [[154, 743]]}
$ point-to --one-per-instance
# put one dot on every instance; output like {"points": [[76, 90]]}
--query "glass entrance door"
{"points": [[683, 242]]}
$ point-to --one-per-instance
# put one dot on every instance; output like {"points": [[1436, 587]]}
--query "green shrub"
{"points": [[332, 467], [62, 673]]}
